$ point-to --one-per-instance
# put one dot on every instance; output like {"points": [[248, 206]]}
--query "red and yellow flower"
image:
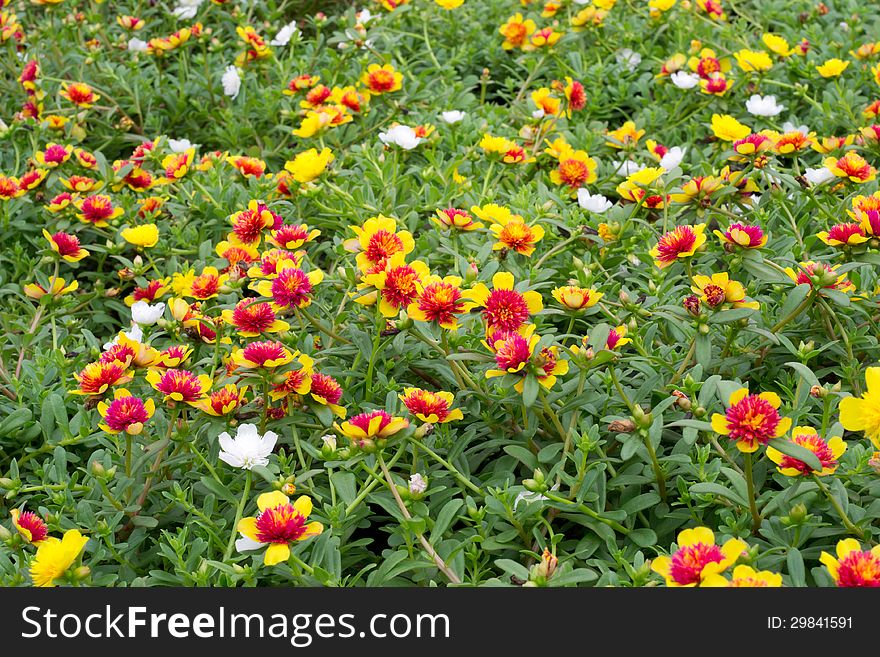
{"points": [[295, 382], [291, 288], [365, 428], [97, 210], [382, 79], [278, 524], [745, 577], [516, 235], [680, 242], [743, 236], [697, 558], [431, 407], [262, 354], [223, 401], [326, 391], [440, 300], [180, 385], [574, 298], [95, 378], [843, 234], [828, 452], [516, 31], [851, 166], [719, 289], [377, 240], [125, 413], [79, 93], [53, 155], [31, 527], [66, 246], [503, 306], [252, 318], [398, 284], [853, 567], [751, 420], [455, 219]]}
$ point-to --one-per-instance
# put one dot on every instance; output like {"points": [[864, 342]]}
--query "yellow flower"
{"points": [[753, 60], [310, 164], [832, 68], [143, 236], [492, 144], [573, 297], [728, 128], [625, 135], [719, 289], [54, 556], [745, 576], [777, 44], [449, 4], [863, 413]]}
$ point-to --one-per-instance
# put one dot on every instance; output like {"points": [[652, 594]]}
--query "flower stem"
{"points": [[750, 484], [844, 518], [238, 513]]}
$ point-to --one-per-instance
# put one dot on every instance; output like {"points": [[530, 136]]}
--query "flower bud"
{"points": [[417, 485], [681, 400], [818, 392], [424, 430], [692, 305], [5, 534], [622, 426], [82, 573], [874, 462]]}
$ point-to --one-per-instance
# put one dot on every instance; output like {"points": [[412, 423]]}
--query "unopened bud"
{"points": [[424, 430], [692, 305], [818, 392], [681, 400], [622, 426]]}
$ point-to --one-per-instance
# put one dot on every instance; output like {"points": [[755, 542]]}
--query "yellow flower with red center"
{"points": [[853, 567], [294, 382], [718, 289], [439, 301], [53, 155], [144, 236], [252, 318], [546, 102], [350, 98], [573, 297], [753, 60], [716, 85], [513, 350], [131, 23], [754, 144], [866, 210], [79, 93], [223, 401], [125, 413], [751, 420], [790, 142], [32, 179], [364, 429], [872, 111], [575, 169], [828, 452], [382, 79], [698, 189], [326, 391], [278, 524], [431, 407], [398, 284], [376, 241], [180, 385], [55, 121], [843, 234], [293, 237], [237, 254], [503, 306], [821, 275], [31, 527], [172, 357], [57, 288], [516, 154], [545, 37], [680, 242], [832, 68], [301, 83], [745, 577], [56, 204], [516, 31], [851, 166], [625, 136], [863, 413], [207, 284], [66, 246], [97, 210], [516, 235], [455, 219], [9, 188], [291, 288], [155, 289], [262, 354], [707, 64], [248, 225], [713, 9], [55, 556], [97, 377], [81, 184], [727, 128], [85, 159], [249, 167], [176, 165], [309, 165], [697, 558], [269, 261]]}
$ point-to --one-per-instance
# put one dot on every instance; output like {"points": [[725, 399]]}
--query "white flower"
{"points": [[673, 158], [417, 484], [400, 135], [248, 448], [452, 116], [187, 9], [284, 34], [180, 145], [528, 497], [685, 80], [364, 16], [627, 167], [788, 126], [144, 314], [3, 128], [628, 58], [538, 114], [329, 440], [593, 202], [135, 333], [763, 106], [137, 45], [818, 176], [231, 81]]}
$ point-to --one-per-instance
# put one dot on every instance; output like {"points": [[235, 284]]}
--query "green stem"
{"points": [[750, 484], [844, 518], [446, 464], [238, 513]]}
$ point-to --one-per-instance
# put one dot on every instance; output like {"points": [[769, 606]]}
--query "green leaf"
{"points": [[445, 518], [805, 372], [513, 568], [218, 489], [717, 489], [796, 570], [729, 316], [795, 451], [345, 484], [530, 390]]}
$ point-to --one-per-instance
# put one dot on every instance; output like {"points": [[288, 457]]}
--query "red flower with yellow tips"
{"points": [[326, 391], [251, 318], [365, 428], [398, 284], [456, 219], [751, 420], [503, 306], [851, 166], [180, 385], [440, 300], [125, 413], [97, 210], [295, 382], [79, 93], [697, 558], [265, 354], [430, 407], [853, 567], [844, 234], [827, 451], [278, 524], [53, 155], [739, 235], [223, 401], [293, 237], [377, 240], [291, 288], [176, 165], [382, 79], [680, 242], [95, 378], [31, 527], [66, 246]]}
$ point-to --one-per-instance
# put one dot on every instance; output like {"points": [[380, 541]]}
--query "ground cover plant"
{"points": [[439, 292]]}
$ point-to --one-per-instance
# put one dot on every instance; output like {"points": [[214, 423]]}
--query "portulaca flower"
{"points": [[187, 9], [672, 158], [137, 45], [818, 176], [452, 116], [763, 106], [248, 448], [628, 58], [593, 202], [231, 81], [180, 145], [135, 333], [685, 80], [284, 35], [417, 484], [400, 135], [788, 126], [627, 167], [364, 16], [144, 314]]}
